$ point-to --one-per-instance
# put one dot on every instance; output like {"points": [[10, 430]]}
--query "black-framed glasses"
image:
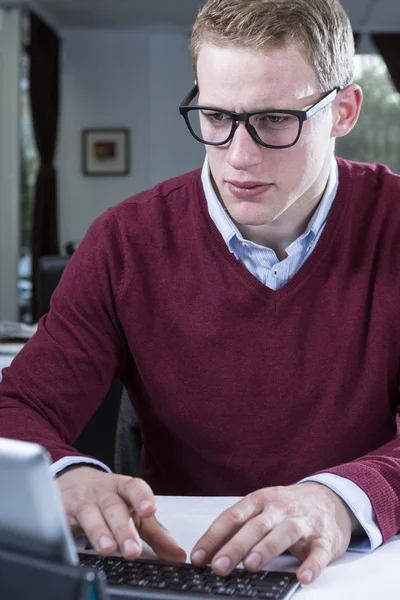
{"points": [[269, 128]]}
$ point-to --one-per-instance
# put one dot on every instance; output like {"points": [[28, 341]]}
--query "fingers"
{"points": [[282, 537], [137, 494], [159, 538], [257, 544], [109, 526], [120, 523], [90, 520], [107, 520], [223, 529], [111, 510], [318, 558]]}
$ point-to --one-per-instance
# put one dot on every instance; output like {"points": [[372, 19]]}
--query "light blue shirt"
{"points": [[263, 263]]}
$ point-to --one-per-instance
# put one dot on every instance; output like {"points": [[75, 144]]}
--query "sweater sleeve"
{"points": [[378, 475], [61, 375]]}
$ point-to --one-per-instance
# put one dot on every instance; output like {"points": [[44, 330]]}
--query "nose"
{"points": [[243, 152]]}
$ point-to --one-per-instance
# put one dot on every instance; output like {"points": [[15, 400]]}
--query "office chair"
{"points": [[128, 442]]}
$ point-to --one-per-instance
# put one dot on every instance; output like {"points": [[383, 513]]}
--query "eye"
{"points": [[276, 119], [273, 121], [216, 117]]}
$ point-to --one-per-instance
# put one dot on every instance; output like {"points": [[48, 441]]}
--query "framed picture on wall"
{"points": [[105, 151]]}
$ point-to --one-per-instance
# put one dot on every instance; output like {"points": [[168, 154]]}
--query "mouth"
{"points": [[248, 189]]}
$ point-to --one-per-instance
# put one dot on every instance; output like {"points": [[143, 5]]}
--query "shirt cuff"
{"points": [[67, 461], [360, 505]]}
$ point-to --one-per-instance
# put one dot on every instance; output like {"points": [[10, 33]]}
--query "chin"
{"points": [[250, 215]]}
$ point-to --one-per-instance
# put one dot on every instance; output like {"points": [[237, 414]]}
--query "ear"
{"points": [[346, 110]]}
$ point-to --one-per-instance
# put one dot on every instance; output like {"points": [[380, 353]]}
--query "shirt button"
{"points": [[275, 272]]}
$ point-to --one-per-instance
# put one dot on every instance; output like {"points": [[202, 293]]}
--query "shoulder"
{"points": [[368, 176], [152, 219], [175, 190]]}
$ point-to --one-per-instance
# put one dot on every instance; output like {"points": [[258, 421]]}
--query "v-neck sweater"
{"points": [[236, 386]]}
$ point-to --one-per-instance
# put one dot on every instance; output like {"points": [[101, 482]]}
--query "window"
{"points": [[29, 167], [376, 137]]}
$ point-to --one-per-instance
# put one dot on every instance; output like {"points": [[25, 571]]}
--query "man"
{"points": [[251, 309]]}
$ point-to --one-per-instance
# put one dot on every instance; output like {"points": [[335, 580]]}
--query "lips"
{"points": [[248, 189], [247, 184]]}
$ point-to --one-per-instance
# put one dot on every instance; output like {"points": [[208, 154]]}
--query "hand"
{"points": [[113, 510], [308, 519]]}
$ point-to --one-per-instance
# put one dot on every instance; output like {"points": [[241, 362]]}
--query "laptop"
{"points": [[33, 524]]}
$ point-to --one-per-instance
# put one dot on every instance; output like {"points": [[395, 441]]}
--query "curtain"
{"points": [[388, 45], [44, 76]]}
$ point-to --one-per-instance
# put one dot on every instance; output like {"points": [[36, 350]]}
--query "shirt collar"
{"points": [[228, 229]]}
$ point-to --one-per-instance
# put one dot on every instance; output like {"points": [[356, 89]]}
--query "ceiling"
{"points": [[367, 15]]}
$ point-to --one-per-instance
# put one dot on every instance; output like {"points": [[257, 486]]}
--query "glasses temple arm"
{"points": [[190, 96]]}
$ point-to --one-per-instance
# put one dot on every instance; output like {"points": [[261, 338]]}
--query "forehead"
{"points": [[240, 76]]}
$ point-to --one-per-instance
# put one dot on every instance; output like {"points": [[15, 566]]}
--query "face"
{"points": [[261, 187]]}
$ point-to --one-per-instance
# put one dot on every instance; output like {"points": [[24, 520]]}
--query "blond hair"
{"points": [[321, 28]]}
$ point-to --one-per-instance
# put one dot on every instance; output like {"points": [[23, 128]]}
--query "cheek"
{"points": [[215, 161], [299, 166]]}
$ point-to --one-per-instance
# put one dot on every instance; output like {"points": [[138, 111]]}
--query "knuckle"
{"points": [[72, 498], [264, 524], [321, 557], [237, 550], [83, 508], [131, 486], [294, 529], [292, 508], [257, 495], [119, 531], [318, 563], [272, 548], [235, 516], [109, 502]]}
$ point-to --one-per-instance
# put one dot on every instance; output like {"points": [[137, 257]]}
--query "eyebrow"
{"points": [[269, 108]]}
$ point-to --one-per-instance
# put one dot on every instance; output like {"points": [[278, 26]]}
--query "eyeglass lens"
{"points": [[273, 129]]}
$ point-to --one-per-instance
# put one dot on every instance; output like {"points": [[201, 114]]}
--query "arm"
{"points": [[61, 375], [378, 475], [57, 381]]}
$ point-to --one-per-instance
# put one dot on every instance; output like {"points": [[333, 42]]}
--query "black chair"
{"points": [[128, 443], [99, 436]]}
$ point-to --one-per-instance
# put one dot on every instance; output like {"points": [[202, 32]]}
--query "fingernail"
{"points": [[145, 505], [199, 556], [307, 576], [253, 561], [222, 564], [131, 547], [105, 543]]}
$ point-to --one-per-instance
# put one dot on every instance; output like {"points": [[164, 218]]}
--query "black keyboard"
{"points": [[152, 579]]}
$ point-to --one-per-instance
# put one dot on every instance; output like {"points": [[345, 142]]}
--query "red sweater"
{"points": [[237, 386]]}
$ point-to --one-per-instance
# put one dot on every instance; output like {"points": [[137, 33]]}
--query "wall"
{"points": [[172, 149], [10, 46], [133, 79]]}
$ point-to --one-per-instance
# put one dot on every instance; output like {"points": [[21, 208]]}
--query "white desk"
{"points": [[355, 576]]}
